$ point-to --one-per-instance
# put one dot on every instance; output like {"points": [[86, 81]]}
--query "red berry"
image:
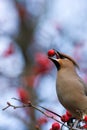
{"points": [[85, 119], [43, 63], [85, 126], [68, 114], [42, 121], [55, 126], [23, 95], [10, 50], [51, 52], [65, 118]]}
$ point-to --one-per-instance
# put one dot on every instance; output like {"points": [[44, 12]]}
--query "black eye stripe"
{"points": [[63, 56], [60, 55]]}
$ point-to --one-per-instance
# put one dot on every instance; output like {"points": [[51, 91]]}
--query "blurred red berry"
{"points": [[68, 114], [56, 126], [23, 95], [85, 126], [43, 63], [65, 118], [42, 121], [85, 119], [10, 50], [51, 52]]}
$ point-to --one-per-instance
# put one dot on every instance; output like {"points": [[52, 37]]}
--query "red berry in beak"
{"points": [[51, 52]]}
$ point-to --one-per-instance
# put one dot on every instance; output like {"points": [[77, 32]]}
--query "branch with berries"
{"points": [[66, 120]]}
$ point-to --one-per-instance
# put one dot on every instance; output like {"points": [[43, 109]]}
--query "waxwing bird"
{"points": [[71, 89]]}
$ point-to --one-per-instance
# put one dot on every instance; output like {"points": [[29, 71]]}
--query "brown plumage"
{"points": [[71, 89]]}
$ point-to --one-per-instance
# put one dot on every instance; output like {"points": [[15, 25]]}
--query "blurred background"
{"points": [[28, 29]]}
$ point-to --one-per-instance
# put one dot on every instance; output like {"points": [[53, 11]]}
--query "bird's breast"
{"points": [[67, 90], [71, 94]]}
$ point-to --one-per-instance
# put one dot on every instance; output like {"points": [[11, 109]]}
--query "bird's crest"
{"points": [[62, 56]]}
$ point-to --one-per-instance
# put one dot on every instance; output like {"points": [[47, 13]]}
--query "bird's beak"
{"points": [[55, 61], [58, 54]]}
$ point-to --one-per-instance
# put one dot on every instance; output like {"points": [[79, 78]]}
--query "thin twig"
{"points": [[50, 111], [15, 107], [29, 104]]}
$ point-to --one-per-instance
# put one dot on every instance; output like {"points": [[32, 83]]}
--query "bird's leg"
{"points": [[71, 122], [74, 127]]}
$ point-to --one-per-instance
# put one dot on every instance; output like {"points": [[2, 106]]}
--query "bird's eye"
{"points": [[62, 57]]}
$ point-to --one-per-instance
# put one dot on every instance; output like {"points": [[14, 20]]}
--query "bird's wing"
{"points": [[84, 85]]}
